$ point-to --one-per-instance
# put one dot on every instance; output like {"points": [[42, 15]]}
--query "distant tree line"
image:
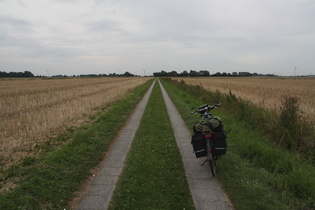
{"points": [[29, 74], [191, 73], [126, 74], [205, 73], [16, 74]]}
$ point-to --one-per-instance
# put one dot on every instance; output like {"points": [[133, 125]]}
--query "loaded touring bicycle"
{"points": [[209, 138]]}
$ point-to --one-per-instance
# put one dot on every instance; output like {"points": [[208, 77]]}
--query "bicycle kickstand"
{"points": [[204, 162]]}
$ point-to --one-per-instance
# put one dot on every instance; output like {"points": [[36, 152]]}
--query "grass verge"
{"points": [[255, 172], [153, 177], [288, 129], [50, 180]]}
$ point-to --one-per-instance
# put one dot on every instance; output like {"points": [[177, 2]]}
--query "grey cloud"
{"points": [[104, 26], [15, 24], [14, 31]]}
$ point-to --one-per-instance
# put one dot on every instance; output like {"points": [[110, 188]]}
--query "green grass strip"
{"points": [[50, 181], [255, 173], [153, 177]]}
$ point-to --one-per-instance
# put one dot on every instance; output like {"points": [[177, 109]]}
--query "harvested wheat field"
{"points": [[265, 92], [32, 111]]}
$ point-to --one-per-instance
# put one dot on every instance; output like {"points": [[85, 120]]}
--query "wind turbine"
{"points": [[295, 67]]}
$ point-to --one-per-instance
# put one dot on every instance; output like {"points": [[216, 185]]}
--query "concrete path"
{"points": [[101, 190], [206, 190]]}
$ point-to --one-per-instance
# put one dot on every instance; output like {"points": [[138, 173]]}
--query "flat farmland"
{"points": [[265, 92], [34, 110]]}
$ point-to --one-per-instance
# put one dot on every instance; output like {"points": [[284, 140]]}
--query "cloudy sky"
{"points": [[71, 37]]}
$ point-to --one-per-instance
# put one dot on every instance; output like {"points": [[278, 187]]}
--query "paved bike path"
{"points": [[206, 190], [101, 190]]}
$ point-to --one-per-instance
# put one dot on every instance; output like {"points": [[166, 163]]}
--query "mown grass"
{"points": [[255, 172], [49, 180], [153, 177]]}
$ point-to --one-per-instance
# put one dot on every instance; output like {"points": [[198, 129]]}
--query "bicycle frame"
{"points": [[207, 138]]}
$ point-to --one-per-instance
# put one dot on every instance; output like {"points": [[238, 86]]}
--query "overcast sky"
{"points": [[71, 37]]}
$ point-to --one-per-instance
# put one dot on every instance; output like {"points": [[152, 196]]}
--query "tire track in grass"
{"points": [[153, 177]]}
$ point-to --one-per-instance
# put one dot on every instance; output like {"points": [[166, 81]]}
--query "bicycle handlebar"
{"points": [[205, 108]]}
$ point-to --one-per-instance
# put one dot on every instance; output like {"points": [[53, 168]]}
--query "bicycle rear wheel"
{"points": [[213, 166]]}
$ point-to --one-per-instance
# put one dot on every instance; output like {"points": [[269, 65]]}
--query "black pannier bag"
{"points": [[199, 145], [219, 141]]}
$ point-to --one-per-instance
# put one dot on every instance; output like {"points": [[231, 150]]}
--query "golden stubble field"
{"points": [[32, 111], [265, 92]]}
